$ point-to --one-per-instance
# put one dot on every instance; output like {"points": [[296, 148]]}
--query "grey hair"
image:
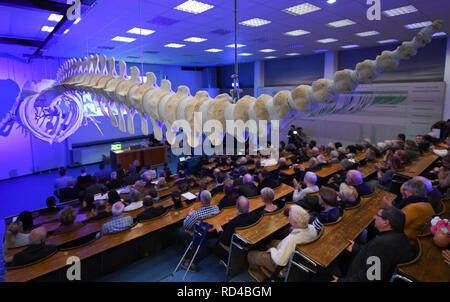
{"points": [[267, 194], [346, 164], [299, 215], [356, 177], [416, 186], [334, 154], [117, 208], [311, 177], [205, 197], [321, 159], [247, 178], [426, 181]]}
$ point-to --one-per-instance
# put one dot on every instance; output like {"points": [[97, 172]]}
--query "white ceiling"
{"points": [[110, 18]]}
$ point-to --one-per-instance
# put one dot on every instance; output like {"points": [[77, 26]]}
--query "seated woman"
{"points": [[67, 218], [348, 196], [134, 199], [310, 181], [177, 202], [393, 165], [331, 209], [267, 196], [403, 156], [370, 157], [322, 161], [27, 220], [229, 200], [334, 157], [15, 237], [279, 252], [412, 149]]}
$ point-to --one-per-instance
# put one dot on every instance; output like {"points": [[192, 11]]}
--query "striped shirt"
{"points": [[201, 213]]}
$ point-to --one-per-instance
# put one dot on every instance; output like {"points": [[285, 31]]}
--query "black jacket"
{"points": [[238, 221], [217, 189], [226, 202], [150, 213], [268, 182], [406, 201], [392, 248], [248, 190], [32, 253], [49, 211], [99, 216]]}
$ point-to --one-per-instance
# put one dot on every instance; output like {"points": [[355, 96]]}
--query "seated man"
{"points": [[118, 222], [99, 212], [278, 253], [434, 195], [88, 203], [114, 182], [355, 178], [248, 188], [220, 178], [96, 187], [205, 211], [102, 174], [35, 250], [134, 200], [63, 181], [422, 143], [240, 179], [51, 206], [150, 211], [282, 164], [265, 180], [310, 181], [84, 180], [414, 190], [391, 247]]}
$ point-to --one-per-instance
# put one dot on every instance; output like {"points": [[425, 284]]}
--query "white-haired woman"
{"points": [[310, 180], [279, 252]]}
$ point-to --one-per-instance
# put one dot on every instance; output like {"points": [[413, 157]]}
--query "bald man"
{"points": [[36, 250], [355, 178], [248, 188]]}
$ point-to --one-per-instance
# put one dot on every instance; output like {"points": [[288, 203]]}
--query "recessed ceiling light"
{"points": [[237, 45], [123, 39], [329, 40], [320, 50], [174, 45], [270, 57], [140, 31], [213, 50], [195, 39], [55, 17], [387, 41], [297, 32], [418, 25], [341, 23], [47, 28], [66, 31], [400, 11], [439, 34], [349, 46], [331, 1], [301, 9], [293, 54], [77, 21], [245, 54], [255, 22], [267, 50], [368, 33], [194, 7]]}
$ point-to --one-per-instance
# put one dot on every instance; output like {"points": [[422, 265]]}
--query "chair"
{"points": [[396, 182], [399, 275], [334, 222], [440, 208], [29, 264], [79, 242]]}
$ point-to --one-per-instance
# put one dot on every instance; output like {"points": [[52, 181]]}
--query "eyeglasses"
{"points": [[381, 216]]}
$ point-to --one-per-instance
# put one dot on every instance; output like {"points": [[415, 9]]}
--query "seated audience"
{"points": [[282, 164], [434, 195], [393, 166], [240, 179], [15, 237], [150, 211], [115, 182], [96, 187], [220, 178], [391, 246], [401, 137], [99, 212], [118, 222], [403, 156], [348, 196], [27, 220], [334, 157], [265, 180], [67, 222], [310, 182], [444, 174], [134, 199], [176, 198], [84, 180], [422, 143], [102, 174], [230, 196], [279, 252], [355, 178], [51, 206], [205, 211], [412, 149], [340, 177], [414, 190], [36, 250], [267, 196], [331, 212], [113, 197], [88, 203], [63, 181], [248, 188]]}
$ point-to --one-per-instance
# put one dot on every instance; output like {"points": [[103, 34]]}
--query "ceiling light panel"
{"points": [[301, 9], [123, 39], [341, 23], [237, 45], [400, 11], [267, 50], [255, 22], [387, 41], [194, 7], [368, 33], [195, 39], [55, 17], [298, 32], [140, 31], [329, 40], [213, 50], [174, 45]]}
